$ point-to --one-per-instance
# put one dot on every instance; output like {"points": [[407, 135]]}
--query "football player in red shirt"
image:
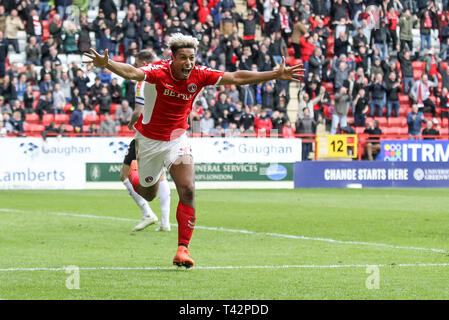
{"points": [[170, 90]]}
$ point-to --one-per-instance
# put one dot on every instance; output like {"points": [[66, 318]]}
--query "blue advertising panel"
{"points": [[419, 150], [343, 174]]}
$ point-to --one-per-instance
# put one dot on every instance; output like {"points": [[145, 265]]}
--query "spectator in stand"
{"points": [[427, 17], [420, 94], [34, 25], [430, 131], [76, 118], [263, 124], [28, 99], [51, 130], [278, 120], [33, 52], [80, 82], [104, 101], [3, 17], [360, 108], [84, 41], [65, 85], [392, 21], [406, 23], [95, 91], [381, 38], [300, 28], [378, 90], [288, 130], [306, 102], [55, 29], [70, 32], [317, 63], [20, 85], [17, 122], [8, 91], [13, 25], [307, 48], [115, 90], [107, 126], [130, 29], [444, 74], [207, 123], [393, 86], [45, 104], [306, 125], [341, 108], [444, 103], [340, 72], [341, 44], [63, 7], [414, 120], [46, 85], [373, 146], [247, 120], [3, 55], [407, 70], [123, 113], [58, 100]]}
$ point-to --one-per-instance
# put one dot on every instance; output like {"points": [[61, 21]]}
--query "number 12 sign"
{"points": [[337, 146]]}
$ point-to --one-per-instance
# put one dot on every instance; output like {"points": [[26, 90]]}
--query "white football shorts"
{"points": [[154, 155]]}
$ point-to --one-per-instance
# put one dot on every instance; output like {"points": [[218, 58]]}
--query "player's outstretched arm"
{"points": [[135, 116], [293, 73], [124, 70]]}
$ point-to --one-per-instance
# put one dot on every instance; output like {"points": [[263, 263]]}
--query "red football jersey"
{"points": [[168, 101]]}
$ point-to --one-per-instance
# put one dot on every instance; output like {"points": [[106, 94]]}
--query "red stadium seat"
{"points": [[67, 108], [69, 127], [34, 128], [403, 99], [113, 108], [403, 110], [359, 130], [382, 121], [91, 119], [62, 118], [445, 123], [419, 65], [125, 130], [32, 118], [403, 131], [397, 122], [417, 74], [47, 119], [329, 87]]}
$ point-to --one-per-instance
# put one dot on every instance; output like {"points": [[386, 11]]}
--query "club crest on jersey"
{"points": [[149, 179], [192, 87]]}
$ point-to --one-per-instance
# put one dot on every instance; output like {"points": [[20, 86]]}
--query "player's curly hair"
{"points": [[178, 41]]}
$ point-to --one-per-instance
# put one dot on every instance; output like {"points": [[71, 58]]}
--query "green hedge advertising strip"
{"points": [[104, 172]]}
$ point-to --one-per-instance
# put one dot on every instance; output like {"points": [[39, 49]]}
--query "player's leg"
{"points": [[183, 173], [148, 216], [164, 199]]}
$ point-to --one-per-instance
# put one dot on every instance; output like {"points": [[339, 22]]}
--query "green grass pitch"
{"points": [[248, 244]]}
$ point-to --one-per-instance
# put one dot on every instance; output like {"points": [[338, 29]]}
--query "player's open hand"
{"points": [[97, 59], [293, 73]]}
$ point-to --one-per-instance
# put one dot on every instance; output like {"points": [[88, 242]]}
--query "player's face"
{"points": [[183, 63]]}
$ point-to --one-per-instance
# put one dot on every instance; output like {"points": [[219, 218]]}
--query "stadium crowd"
{"points": [[364, 60]]}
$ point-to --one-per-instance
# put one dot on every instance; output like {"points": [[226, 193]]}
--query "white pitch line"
{"points": [[220, 229], [336, 266]]}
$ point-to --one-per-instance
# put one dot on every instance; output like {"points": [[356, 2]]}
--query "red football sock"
{"points": [[134, 179], [185, 216]]}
